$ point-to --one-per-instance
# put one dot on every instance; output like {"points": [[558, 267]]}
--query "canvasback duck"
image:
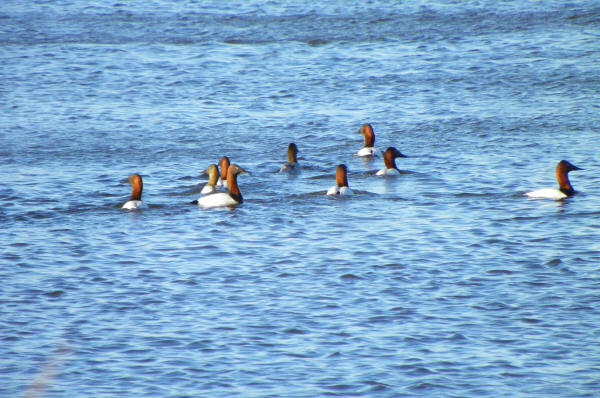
{"points": [[213, 176], [223, 199], [389, 160], [292, 160], [565, 189], [223, 165], [369, 149], [135, 202], [341, 187]]}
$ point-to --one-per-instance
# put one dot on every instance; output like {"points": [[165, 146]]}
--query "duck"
{"points": [[223, 165], [341, 179], [389, 160], [225, 199], [135, 202], [292, 160], [565, 189], [369, 149], [213, 176]]}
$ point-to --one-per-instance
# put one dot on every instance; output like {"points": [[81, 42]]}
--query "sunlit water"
{"points": [[443, 281]]}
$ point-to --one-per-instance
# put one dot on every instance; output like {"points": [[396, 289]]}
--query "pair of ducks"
{"points": [[565, 189], [229, 173], [389, 155], [341, 173]]}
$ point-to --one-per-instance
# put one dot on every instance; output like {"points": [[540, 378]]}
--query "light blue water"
{"points": [[444, 281]]}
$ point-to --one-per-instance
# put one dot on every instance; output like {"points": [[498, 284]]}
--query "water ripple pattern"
{"points": [[443, 281]]}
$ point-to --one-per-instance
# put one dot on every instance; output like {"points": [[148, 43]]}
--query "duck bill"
{"points": [[399, 154]]}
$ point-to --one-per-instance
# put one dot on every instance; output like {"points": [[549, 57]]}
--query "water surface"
{"points": [[444, 281]]}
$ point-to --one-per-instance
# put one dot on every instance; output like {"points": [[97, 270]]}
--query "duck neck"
{"points": [[136, 190], [563, 183], [291, 156], [234, 190], [389, 160], [213, 176], [224, 165], [341, 178], [369, 136]]}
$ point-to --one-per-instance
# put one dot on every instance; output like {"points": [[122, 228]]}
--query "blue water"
{"points": [[442, 282]]}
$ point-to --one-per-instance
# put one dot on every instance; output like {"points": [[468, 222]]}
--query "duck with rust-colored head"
{"points": [[565, 189], [341, 187], [223, 165], [369, 149], [135, 201], [292, 159], [213, 176], [389, 160], [225, 199]]}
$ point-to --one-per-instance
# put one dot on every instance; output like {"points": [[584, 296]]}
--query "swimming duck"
{"points": [[389, 159], [223, 165], [292, 161], [369, 149], [135, 201], [213, 176], [222, 199], [341, 179], [565, 189]]}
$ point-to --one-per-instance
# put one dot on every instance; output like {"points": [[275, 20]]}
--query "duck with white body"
{"points": [[389, 160], [565, 189], [135, 201], [369, 149], [225, 199], [341, 187]]}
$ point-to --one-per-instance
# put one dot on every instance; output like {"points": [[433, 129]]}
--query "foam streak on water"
{"points": [[443, 281]]}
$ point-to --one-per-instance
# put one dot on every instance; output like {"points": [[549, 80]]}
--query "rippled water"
{"points": [[444, 281]]}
